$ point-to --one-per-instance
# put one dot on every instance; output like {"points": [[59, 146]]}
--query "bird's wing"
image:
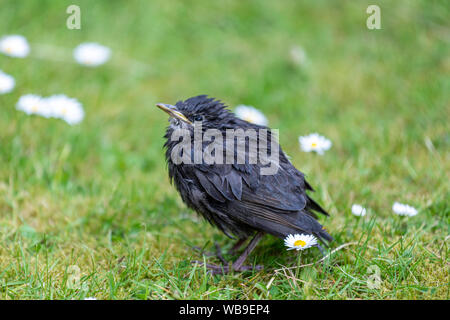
{"points": [[277, 204], [244, 183]]}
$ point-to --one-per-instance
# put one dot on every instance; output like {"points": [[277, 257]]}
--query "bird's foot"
{"points": [[224, 269], [237, 265]]}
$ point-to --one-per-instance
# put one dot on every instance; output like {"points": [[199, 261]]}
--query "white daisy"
{"points": [[14, 46], [298, 55], [300, 241], [91, 54], [90, 298], [63, 107], [404, 209], [33, 104], [7, 83], [358, 210], [314, 142], [251, 114]]}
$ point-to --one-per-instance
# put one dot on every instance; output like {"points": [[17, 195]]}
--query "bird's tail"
{"points": [[303, 222], [323, 236]]}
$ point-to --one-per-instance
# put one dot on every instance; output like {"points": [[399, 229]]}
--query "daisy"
{"points": [[404, 209], [63, 107], [300, 241], [90, 298], [314, 142], [91, 54], [14, 46], [33, 104], [251, 114], [358, 210], [298, 55], [7, 83]]}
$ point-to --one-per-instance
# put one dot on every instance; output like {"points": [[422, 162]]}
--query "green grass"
{"points": [[95, 198]]}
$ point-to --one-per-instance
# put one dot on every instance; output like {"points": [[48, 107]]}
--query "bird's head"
{"points": [[209, 112]]}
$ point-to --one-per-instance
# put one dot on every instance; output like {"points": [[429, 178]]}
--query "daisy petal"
{"points": [[14, 46], [314, 142], [7, 83], [251, 114], [358, 210], [300, 241], [404, 209], [91, 54]]}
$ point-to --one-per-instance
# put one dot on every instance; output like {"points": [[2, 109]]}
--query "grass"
{"points": [[93, 202]]}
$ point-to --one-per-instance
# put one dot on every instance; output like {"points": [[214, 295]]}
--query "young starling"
{"points": [[234, 196]]}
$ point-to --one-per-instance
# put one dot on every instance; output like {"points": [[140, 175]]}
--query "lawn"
{"points": [[88, 210]]}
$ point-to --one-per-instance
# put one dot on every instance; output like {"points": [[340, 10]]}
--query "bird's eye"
{"points": [[198, 118]]}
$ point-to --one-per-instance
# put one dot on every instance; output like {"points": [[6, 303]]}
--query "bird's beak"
{"points": [[173, 112]]}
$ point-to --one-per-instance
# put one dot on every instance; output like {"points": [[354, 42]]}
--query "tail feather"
{"points": [[303, 220], [323, 236], [315, 206]]}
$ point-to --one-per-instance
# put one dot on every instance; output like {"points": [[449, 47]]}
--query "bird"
{"points": [[235, 196]]}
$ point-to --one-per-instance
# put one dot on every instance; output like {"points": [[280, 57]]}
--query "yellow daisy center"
{"points": [[9, 50], [64, 111], [314, 144], [300, 243], [34, 108]]}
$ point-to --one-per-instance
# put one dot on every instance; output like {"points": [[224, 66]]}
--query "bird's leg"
{"points": [[238, 264], [237, 246]]}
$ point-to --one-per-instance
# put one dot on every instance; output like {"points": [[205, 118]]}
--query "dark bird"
{"points": [[235, 196]]}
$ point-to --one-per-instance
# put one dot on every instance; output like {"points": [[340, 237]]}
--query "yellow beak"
{"points": [[173, 112]]}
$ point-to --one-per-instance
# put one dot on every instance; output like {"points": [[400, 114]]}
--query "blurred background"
{"points": [[99, 191]]}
